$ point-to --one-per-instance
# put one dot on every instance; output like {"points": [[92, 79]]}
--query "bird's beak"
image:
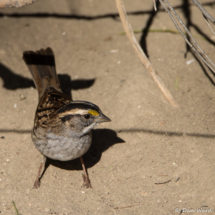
{"points": [[102, 118]]}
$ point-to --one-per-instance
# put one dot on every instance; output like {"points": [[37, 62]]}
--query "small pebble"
{"points": [[189, 62], [22, 97], [113, 51]]}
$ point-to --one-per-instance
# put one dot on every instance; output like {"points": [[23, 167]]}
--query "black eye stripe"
{"points": [[69, 117], [66, 118]]}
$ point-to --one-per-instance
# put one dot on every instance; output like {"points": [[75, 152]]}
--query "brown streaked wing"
{"points": [[50, 102]]}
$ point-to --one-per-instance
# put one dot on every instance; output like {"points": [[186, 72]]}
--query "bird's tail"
{"points": [[42, 67]]}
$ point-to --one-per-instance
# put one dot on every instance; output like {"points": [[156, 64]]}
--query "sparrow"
{"points": [[62, 127]]}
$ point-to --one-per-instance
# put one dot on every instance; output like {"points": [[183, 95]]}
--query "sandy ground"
{"points": [[147, 142]]}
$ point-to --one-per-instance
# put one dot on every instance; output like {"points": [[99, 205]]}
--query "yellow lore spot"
{"points": [[93, 112]]}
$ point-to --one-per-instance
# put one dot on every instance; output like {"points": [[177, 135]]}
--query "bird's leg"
{"points": [[41, 169], [86, 179]]}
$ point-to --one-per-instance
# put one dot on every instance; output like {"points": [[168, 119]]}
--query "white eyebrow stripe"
{"points": [[73, 112]]}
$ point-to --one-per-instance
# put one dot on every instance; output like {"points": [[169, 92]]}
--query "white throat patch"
{"points": [[88, 128]]}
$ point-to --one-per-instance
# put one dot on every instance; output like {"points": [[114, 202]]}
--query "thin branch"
{"points": [[201, 54], [163, 182], [190, 35], [141, 54], [204, 12], [15, 3], [206, 19], [128, 206], [155, 6]]}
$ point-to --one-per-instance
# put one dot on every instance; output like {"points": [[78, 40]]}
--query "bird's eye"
{"points": [[87, 116]]}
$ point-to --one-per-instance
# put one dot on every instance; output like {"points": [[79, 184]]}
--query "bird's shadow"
{"points": [[13, 81], [67, 84], [102, 140]]}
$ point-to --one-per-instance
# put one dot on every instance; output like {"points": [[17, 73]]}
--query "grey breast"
{"points": [[60, 147]]}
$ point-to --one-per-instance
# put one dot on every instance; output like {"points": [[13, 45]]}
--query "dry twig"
{"points": [[128, 206], [205, 14], [164, 182], [141, 54], [206, 19], [155, 6], [195, 46]]}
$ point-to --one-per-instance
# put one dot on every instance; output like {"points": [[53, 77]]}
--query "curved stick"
{"points": [[141, 54]]}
